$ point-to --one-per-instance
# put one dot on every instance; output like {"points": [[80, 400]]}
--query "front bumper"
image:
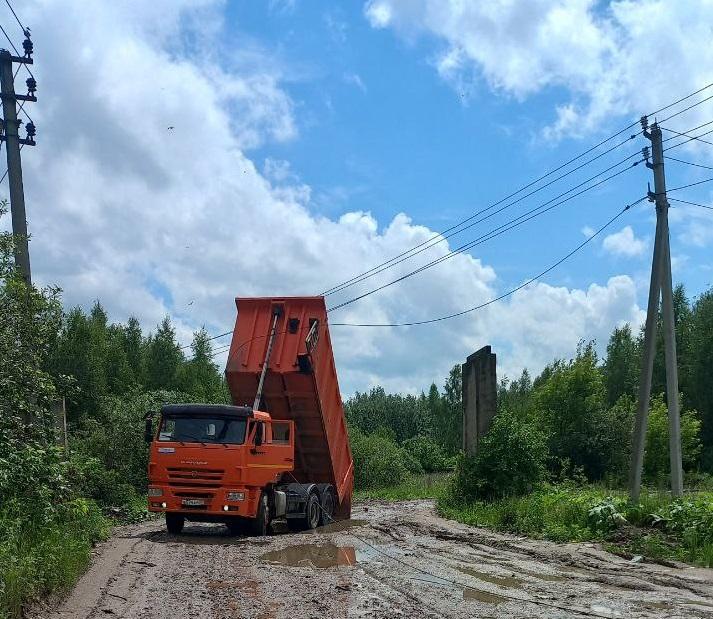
{"points": [[194, 502]]}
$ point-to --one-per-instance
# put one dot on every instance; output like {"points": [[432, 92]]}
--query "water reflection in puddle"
{"points": [[502, 581], [320, 556], [483, 596]]}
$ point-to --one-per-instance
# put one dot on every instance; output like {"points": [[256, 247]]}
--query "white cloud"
{"points": [[153, 221], [624, 243], [588, 231], [623, 57], [355, 80]]}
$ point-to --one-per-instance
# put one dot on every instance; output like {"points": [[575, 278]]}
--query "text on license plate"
{"points": [[193, 502]]}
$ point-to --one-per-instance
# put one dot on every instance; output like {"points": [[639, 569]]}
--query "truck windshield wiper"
{"points": [[195, 438]]}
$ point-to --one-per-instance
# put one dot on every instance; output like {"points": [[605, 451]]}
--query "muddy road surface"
{"points": [[391, 560]]}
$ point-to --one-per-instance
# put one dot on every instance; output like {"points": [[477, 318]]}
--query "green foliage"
{"points": [[428, 453], [657, 526], [510, 460], [656, 459], [41, 557], [571, 407], [429, 486], [378, 461], [621, 367]]}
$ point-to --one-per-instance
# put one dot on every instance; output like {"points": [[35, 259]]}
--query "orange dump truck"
{"points": [[281, 451]]}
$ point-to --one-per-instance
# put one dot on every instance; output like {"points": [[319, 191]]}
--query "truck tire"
{"points": [[174, 523], [327, 503], [313, 512], [260, 525]]}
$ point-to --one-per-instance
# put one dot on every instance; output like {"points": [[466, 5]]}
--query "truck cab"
{"points": [[229, 464]]}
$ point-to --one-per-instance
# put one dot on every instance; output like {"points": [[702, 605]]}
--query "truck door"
{"points": [[271, 451]]}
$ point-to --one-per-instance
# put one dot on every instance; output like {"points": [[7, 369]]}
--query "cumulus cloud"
{"points": [[154, 221], [624, 243], [615, 58]]}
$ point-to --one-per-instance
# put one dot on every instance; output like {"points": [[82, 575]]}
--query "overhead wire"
{"points": [[505, 294], [691, 163], [17, 19], [710, 208], [453, 230], [470, 225], [496, 232], [437, 238], [548, 174]]}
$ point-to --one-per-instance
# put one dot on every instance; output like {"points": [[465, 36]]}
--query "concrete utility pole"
{"points": [[661, 284], [12, 148], [480, 393]]}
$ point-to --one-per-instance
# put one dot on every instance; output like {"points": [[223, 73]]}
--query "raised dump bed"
{"points": [[300, 384]]}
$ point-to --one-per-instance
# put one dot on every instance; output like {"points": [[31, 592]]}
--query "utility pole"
{"points": [[10, 135], [661, 285]]}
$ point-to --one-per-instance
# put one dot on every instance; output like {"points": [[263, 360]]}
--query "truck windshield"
{"points": [[222, 430]]}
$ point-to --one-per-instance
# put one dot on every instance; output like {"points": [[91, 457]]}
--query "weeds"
{"points": [[657, 527], [431, 486]]}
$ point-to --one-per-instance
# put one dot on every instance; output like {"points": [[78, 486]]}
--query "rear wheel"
{"points": [[312, 512], [326, 512], [174, 523], [261, 523]]}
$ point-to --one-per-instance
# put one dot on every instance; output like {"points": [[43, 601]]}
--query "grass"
{"points": [[431, 486], [657, 527], [45, 554]]}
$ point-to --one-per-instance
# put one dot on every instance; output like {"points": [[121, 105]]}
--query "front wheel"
{"points": [[174, 523], [260, 525]]}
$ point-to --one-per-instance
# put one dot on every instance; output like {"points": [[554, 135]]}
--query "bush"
{"points": [[656, 460], [429, 454], [378, 461], [41, 555], [510, 461]]}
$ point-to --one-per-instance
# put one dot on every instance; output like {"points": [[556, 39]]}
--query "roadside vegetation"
{"points": [[555, 461]]}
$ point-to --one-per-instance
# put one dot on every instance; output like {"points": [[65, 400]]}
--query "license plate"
{"points": [[193, 502]]}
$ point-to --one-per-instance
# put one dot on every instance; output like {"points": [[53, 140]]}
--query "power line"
{"points": [[17, 19], [691, 137], [415, 253], [496, 232], [710, 208], [454, 227], [705, 180], [506, 294], [453, 230], [16, 50], [697, 165]]}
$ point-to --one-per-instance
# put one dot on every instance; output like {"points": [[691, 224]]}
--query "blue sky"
{"points": [[381, 131], [313, 140]]}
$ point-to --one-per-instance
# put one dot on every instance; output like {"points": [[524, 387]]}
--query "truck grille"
{"points": [[201, 478]]}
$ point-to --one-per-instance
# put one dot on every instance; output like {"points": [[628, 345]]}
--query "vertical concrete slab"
{"points": [[480, 390]]}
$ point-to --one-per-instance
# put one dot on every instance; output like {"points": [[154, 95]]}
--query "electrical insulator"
{"points": [[31, 86], [31, 131], [644, 122], [27, 45]]}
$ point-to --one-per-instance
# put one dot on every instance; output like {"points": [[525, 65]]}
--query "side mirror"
{"points": [[258, 434], [148, 432]]}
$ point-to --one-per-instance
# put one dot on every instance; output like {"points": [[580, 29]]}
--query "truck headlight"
{"points": [[235, 496], [155, 492]]}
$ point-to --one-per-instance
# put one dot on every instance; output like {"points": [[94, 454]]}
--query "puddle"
{"points": [[604, 610], [483, 596], [339, 525], [320, 556], [545, 577], [502, 581], [659, 605]]}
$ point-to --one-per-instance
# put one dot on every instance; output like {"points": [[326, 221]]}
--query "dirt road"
{"points": [[392, 560]]}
